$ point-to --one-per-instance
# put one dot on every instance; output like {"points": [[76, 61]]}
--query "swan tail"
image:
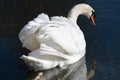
{"points": [[28, 34]]}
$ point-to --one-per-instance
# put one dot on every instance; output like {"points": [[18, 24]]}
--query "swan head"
{"points": [[89, 12], [82, 9]]}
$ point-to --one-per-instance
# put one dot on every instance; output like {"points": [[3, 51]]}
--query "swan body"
{"points": [[54, 41]]}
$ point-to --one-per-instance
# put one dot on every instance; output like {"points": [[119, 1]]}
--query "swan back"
{"points": [[61, 44]]}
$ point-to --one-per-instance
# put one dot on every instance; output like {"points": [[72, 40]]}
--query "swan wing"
{"points": [[63, 35], [73, 30]]}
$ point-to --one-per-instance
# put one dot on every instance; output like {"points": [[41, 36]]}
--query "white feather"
{"points": [[57, 41]]}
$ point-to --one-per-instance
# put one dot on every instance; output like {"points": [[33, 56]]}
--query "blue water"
{"points": [[103, 42], [11, 67]]}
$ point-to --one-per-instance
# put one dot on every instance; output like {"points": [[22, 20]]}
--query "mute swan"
{"points": [[55, 41]]}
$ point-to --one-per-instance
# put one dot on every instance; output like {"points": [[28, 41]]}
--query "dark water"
{"points": [[103, 41], [11, 67]]}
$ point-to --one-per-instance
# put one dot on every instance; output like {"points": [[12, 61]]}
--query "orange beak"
{"points": [[92, 18]]}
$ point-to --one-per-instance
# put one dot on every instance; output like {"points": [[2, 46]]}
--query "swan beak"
{"points": [[92, 18]]}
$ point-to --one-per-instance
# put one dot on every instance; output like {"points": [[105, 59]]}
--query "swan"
{"points": [[55, 41]]}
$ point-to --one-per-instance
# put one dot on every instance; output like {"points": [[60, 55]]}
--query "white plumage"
{"points": [[54, 41]]}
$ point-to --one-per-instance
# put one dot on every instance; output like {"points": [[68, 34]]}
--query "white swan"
{"points": [[55, 41]]}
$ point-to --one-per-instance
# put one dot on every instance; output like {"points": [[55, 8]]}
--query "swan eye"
{"points": [[93, 14]]}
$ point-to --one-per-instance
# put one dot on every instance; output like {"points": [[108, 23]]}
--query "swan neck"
{"points": [[74, 14], [77, 10]]}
